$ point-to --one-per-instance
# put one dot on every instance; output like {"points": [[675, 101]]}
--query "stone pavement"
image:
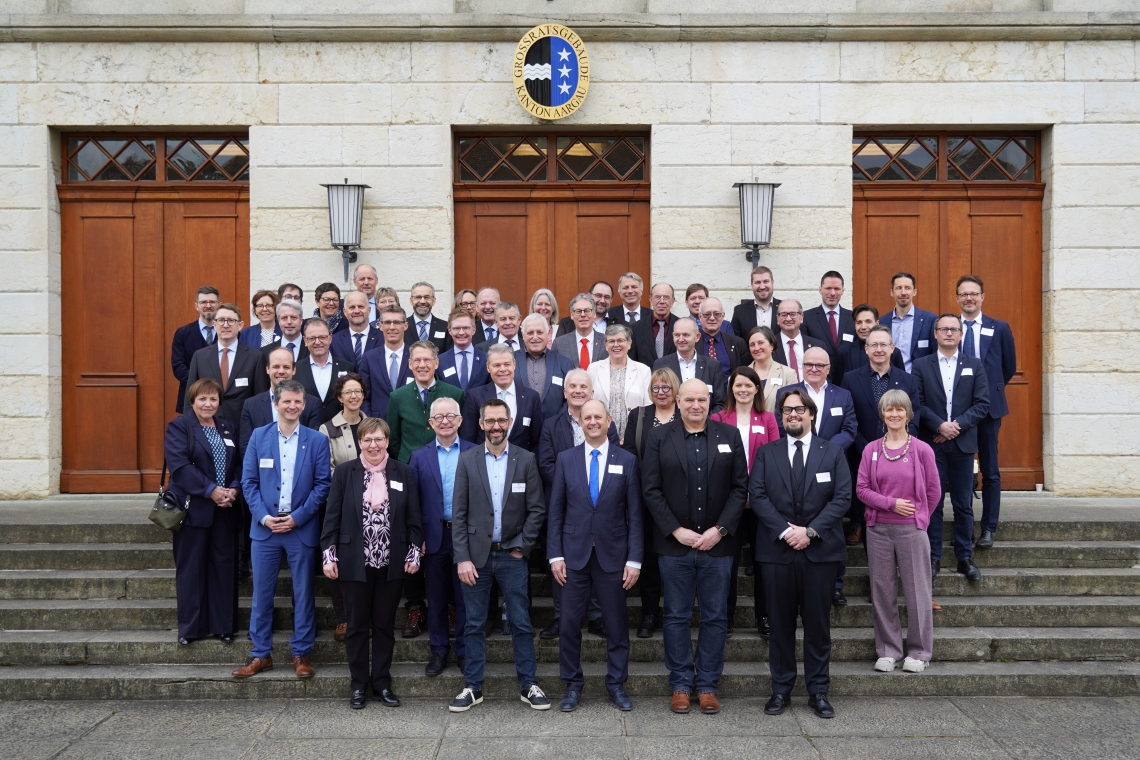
{"points": [[879, 728]]}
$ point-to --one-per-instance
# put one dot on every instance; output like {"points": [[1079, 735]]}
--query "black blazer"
{"points": [[971, 398], [707, 370], [344, 518], [262, 383], [870, 425], [853, 355], [343, 346], [617, 314], [437, 333], [480, 333], [744, 317], [630, 439], [244, 370], [815, 325], [665, 485], [557, 365], [526, 430], [329, 405], [644, 348], [193, 473], [826, 497], [257, 411], [187, 341], [780, 356]]}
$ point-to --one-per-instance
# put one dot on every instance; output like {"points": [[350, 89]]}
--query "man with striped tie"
{"points": [[350, 345], [463, 364]]}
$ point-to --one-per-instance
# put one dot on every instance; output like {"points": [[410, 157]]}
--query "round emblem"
{"points": [[551, 71]]}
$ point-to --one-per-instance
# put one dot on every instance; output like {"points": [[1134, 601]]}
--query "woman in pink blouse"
{"points": [[898, 483], [371, 539]]}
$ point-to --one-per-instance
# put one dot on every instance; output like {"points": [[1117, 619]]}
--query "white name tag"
{"points": [[409, 380], [267, 463], [228, 442], [967, 371], [709, 386], [823, 477], [518, 487], [836, 411], [724, 448], [774, 381], [438, 335], [874, 456], [556, 380], [341, 374], [848, 337], [615, 469], [449, 372], [241, 382], [988, 332], [526, 421], [924, 344], [758, 429], [396, 485]]}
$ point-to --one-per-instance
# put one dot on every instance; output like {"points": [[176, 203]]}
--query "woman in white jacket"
{"points": [[619, 382]]}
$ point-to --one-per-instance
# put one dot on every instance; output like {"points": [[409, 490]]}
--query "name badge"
{"points": [[526, 421], [874, 456], [724, 448], [556, 381], [395, 485], [615, 469], [241, 382], [709, 386], [967, 371], [758, 429], [518, 487], [341, 374], [449, 372], [924, 344], [437, 335], [228, 442], [988, 332], [774, 381], [836, 411], [823, 477], [267, 463], [848, 337], [409, 380]]}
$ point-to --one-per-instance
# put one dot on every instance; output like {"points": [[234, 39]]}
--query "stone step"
{"points": [[1036, 554], [646, 681], [85, 556], [848, 645], [152, 614]]}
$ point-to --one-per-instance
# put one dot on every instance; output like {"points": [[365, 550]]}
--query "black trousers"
{"points": [[416, 592], [802, 588], [205, 576], [372, 602]]}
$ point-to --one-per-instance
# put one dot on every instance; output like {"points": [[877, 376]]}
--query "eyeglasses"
{"points": [[226, 321], [944, 330], [442, 418], [580, 312], [263, 306], [969, 295], [788, 314], [393, 323], [879, 346], [326, 339], [713, 314], [352, 393], [372, 441], [497, 423], [616, 341], [661, 389], [793, 410], [661, 298], [814, 365], [466, 304]]}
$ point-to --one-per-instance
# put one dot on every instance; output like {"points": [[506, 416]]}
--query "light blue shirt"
{"points": [[901, 330], [448, 460], [288, 449], [497, 478]]}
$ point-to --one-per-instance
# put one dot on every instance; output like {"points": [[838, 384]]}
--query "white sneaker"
{"points": [[911, 665], [885, 664]]}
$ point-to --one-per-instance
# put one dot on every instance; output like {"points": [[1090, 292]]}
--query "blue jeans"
{"points": [[513, 574], [956, 471], [697, 574]]}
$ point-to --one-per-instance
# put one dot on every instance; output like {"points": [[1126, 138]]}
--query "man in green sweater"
{"points": [[409, 404]]}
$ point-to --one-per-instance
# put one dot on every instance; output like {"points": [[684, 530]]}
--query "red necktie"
{"points": [[584, 355], [792, 361], [834, 328], [712, 348]]}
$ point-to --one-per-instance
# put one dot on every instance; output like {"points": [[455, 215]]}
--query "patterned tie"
{"points": [[209, 335], [423, 330], [834, 328], [584, 355], [968, 340], [510, 344], [793, 362], [292, 347], [359, 350], [712, 348], [659, 339], [594, 473], [393, 371], [463, 376], [490, 333], [224, 366]]}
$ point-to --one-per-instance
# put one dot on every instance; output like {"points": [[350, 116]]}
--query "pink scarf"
{"points": [[378, 489]]}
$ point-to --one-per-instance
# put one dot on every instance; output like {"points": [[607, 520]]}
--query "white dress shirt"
{"points": [[792, 458], [603, 458], [632, 316], [799, 341], [819, 398], [764, 316], [744, 426], [515, 344], [322, 375], [688, 368], [947, 366]]}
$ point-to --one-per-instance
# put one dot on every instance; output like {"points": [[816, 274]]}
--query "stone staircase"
{"points": [[87, 611]]}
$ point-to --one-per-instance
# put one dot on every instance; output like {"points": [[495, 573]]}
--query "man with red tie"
{"points": [[585, 345], [830, 323], [791, 342]]}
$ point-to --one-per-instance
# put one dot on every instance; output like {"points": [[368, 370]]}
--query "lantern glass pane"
{"points": [[346, 206], [756, 213]]}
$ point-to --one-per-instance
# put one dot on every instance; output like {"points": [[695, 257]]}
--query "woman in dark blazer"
{"points": [[201, 453], [266, 330], [371, 538]]}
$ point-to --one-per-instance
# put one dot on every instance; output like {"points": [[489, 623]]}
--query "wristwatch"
{"points": [[811, 533], [723, 531]]}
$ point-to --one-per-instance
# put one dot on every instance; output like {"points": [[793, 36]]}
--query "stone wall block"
{"points": [[29, 478], [640, 103], [1074, 352], [142, 104], [163, 7], [296, 62], [27, 354], [364, 144], [408, 187], [9, 104], [676, 144], [295, 146], [765, 103], [1112, 101], [1096, 185], [21, 230], [17, 62], [1090, 268], [336, 103], [23, 146], [347, 7], [116, 62], [1095, 434], [988, 103], [766, 62], [19, 187], [1095, 227], [1118, 391], [638, 61], [447, 103], [1123, 304], [1076, 475], [463, 61], [1100, 60], [24, 271], [26, 313], [427, 145], [26, 396], [712, 186], [793, 145], [953, 61], [290, 187], [408, 228], [1113, 144]]}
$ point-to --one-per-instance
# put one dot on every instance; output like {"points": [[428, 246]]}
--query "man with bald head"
{"points": [[366, 280], [350, 345], [790, 341], [727, 350]]}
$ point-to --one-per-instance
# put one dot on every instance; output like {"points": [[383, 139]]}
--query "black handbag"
{"points": [[167, 512]]}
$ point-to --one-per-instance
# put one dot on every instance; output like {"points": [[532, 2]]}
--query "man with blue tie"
{"points": [[911, 328], [991, 341], [463, 365], [386, 368], [285, 479], [291, 320], [434, 468], [594, 539], [191, 338], [350, 345]]}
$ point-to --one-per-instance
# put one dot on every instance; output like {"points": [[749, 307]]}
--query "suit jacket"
{"points": [[480, 333], [429, 483], [779, 354], [377, 387], [330, 405], [251, 336], [344, 518], [737, 352], [408, 417], [665, 485], [257, 411], [499, 339], [779, 377], [853, 355], [262, 382], [261, 485], [244, 369], [869, 425], [558, 436], [557, 365], [187, 341], [825, 498], [644, 348], [576, 527], [437, 333], [526, 430], [971, 399], [617, 314], [839, 428], [193, 473], [815, 325], [999, 357], [922, 332], [744, 317], [762, 429], [566, 324], [448, 370], [343, 346], [473, 511], [707, 370], [569, 346], [629, 441]]}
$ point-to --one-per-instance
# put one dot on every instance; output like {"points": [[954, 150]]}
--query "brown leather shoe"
{"points": [[254, 666], [709, 704], [303, 667], [341, 631], [935, 606], [855, 537], [680, 702], [416, 623]]}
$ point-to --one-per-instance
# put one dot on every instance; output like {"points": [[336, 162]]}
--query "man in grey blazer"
{"points": [[685, 336], [497, 512], [570, 345]]}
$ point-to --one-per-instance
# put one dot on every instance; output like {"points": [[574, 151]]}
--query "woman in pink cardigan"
{"points": [[898, 483]]}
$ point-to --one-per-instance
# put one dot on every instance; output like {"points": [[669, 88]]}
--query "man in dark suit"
{"points": [[601, 293], [508, 319], [912, 329], [570, 344], [800, 488], [351, 344], [762, 309], [629, 311], [290, 319], [830, 323], [594, 539], [434, 467], [497, 512], [487, 304], [990, 340], [259, 410], [791, 342], [385, 368], [319, 370], [853, 355], [695, 295], [463, 365], [232, 363], [526, 405], [955, 393], [540, 368], [424, 325], [687, 364], [653, 337], [729, 350], [695, 485], [191, 338]]}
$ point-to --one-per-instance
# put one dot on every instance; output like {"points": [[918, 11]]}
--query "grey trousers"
{"points": [[907, 549]]}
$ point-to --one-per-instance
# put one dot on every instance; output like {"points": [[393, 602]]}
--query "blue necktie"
{"points": [[359, 350], [423, 330], [463, 376], [291, 347], [969, 339], [423, 396], [489, 332], [594, 477], [393, 371]]}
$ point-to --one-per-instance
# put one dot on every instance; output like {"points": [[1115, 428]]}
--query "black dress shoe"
{"points": [[357, 701], [970, 570], [778, 703], [985, 541], [226, 638], [728, 633], [648, 625], [387, 698], [822, 707], [462, 662], [183, 641], [597, 627], [935, 566], [434, 666], [749, 571], [570, 702], [763, 628], [550, 631], [620, 699], [838, 599]]}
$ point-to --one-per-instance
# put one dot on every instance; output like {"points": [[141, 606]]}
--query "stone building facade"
{"points": [[724, 97]]}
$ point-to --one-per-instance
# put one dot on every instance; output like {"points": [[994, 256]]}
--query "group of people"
{"points": [[410, 456]]}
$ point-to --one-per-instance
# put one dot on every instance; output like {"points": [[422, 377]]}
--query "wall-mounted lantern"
{"points": [[346, 218], [756, 200]]}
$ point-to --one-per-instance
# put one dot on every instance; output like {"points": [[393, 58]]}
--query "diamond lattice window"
{"points": [[944, 157], [552, 158], [158, 158]]}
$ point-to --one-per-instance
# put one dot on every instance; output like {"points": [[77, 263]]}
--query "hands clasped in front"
{"points": [[223, 497]]}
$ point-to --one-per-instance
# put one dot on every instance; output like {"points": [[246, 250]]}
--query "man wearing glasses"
{"points": [[580, 342], [319, 371], [790, 342], [233, 364], [729, 350], [192, 337], [385, 368]]}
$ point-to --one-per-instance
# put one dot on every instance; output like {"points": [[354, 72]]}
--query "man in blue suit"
{"points": [[351, 344], [594, 539], [285, 479], [539, 368], [955, 395], [434, 467], [990, 340], [385, 368], [911, 328], [462, 364], [525, 404], [189, 339]]}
